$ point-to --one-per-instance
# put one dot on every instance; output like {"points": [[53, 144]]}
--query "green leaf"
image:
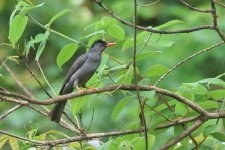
{"points": [[61, 13], [209, 105], [168, 24], [38, 38], [128, 44], [101, 32], [40, 137], [181, 109], [156, 70], [116, 31], [219, 136], [17, 28], [101, 68], [209, 129], [78, 103], [126, 78], [147, 94], [57, 133], [41, 46], [3, 140], [139, 142], [195, 87], [161, 43], [13, 142], [32, 133], [214, 81], [13, 58], [216, 94], [119, 107], [1, 76], [66, 53], [27, 9]]}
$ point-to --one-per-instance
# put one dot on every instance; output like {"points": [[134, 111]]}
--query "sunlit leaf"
{"points": [[116, 31], [1, 76], [156, 70], [169, 24], [13, 142], [41, 46], [17, 28], [119, 107], [219, 136], [93, 34], [139, 142], [3, 140], [128, 44], [181, 109], [78, 103], [209, 105], [216, 94], [66, 53], [209, 129], [59, 14], [27, 9], [55, 132]]}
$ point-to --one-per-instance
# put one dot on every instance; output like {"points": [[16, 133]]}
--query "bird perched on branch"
{"points": [[80, 72]]}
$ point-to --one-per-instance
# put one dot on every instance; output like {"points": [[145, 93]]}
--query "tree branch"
{"points": [[142, 115], [203, 27], [187, 59], [73, 139], [194, 8], [186, 132]]}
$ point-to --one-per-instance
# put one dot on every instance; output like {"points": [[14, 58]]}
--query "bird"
{"points": [[79, 73]]}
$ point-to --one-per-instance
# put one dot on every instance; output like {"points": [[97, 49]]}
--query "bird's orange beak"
{"points": [[110, 44]]}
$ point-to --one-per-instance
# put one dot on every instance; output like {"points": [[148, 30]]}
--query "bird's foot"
{"points": [[81, 91], [92, 88]]}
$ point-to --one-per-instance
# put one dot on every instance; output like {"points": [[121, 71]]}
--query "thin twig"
{"points": [[149, 5], [194, 8], [187, 59], [214, 16], [219, 3], [203, 27], [186, 132], [73, 139], [142, 118], [37, 80], [10, 111], [17, 81], [39, 66]]}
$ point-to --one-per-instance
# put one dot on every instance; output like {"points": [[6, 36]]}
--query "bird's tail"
{"points": [[57, 111]]}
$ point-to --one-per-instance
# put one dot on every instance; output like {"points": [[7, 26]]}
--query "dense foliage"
{"points": [[40, 39]]}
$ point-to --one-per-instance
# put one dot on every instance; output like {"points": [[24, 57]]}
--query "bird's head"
{"points": [[100, 45]]}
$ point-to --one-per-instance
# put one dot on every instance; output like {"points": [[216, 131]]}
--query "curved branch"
{"points": [[203, 27], [130, 87], [187, 59], [186, 132], [194, 8], [73, 139]]}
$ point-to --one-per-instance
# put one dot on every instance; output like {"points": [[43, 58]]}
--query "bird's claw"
{"points": [[80, 91], [92, 88]]}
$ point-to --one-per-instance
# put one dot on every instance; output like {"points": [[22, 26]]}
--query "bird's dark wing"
{"points": [[76, 65]]}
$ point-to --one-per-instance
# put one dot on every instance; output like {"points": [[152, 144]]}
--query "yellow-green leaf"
{"points": [[61, 13], [13, 142], [116, 31], [66, 53], [17, 28]]}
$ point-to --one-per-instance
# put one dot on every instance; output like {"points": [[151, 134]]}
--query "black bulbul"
{"points": [[80, 72]]}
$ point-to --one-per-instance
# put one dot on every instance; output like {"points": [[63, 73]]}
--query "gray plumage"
{"points": [[80, 72]]}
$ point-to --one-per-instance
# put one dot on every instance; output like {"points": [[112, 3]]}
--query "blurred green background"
{"points": [[86, 12]]}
